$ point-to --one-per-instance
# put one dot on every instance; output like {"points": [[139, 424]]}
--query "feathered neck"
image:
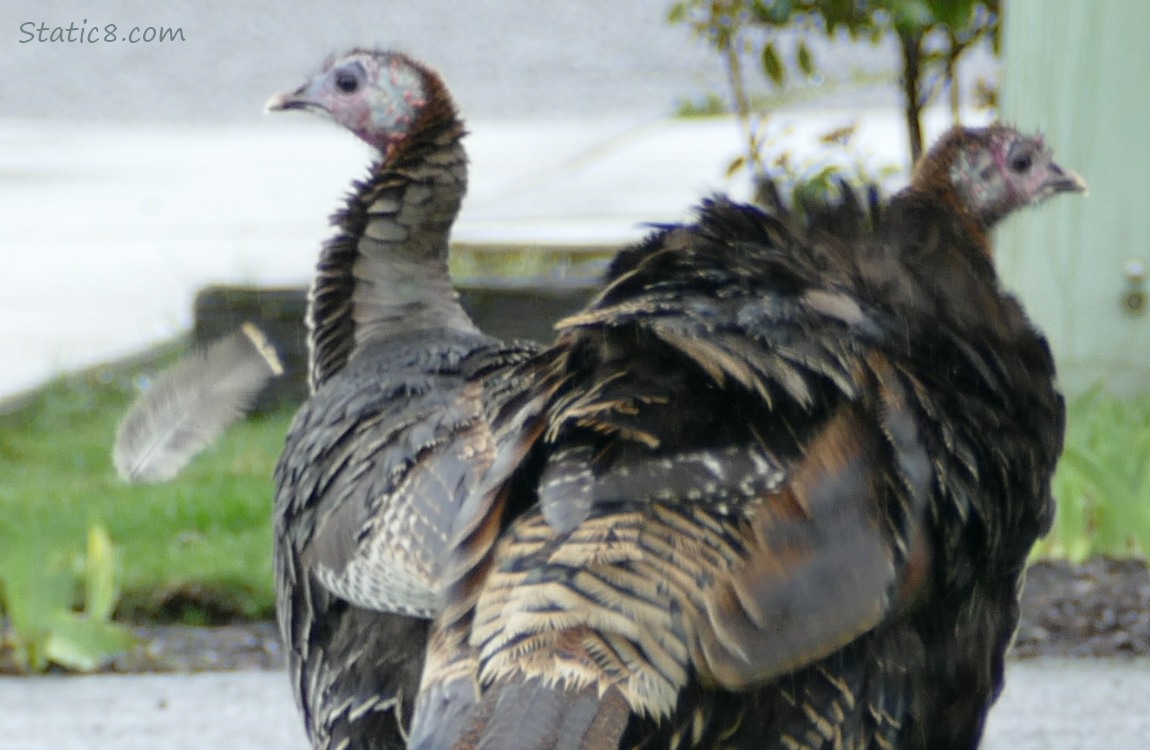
{"points": [[385, 271], [933, 179], [945, 254]]}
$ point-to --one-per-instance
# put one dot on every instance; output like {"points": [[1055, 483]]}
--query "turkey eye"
{"points": [[1020, 163], [346, 82]]}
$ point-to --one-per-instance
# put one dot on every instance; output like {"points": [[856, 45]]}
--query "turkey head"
{"points": [[385, 98], [988, 173]]}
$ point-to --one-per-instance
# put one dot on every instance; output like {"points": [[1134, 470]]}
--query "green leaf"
{"points": [[100, 575], [772, 65], [954, 14], [83, 644], [736, 164], [677, 13], [911, 15], [839, 12], [772, 12], [806, 64], [35, 595]]}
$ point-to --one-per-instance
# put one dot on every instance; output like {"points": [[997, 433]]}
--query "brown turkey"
{"points": [[395, 433], [773, 488]]}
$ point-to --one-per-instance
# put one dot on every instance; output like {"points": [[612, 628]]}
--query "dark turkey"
{"points": [[395, 433], [774, 488]]}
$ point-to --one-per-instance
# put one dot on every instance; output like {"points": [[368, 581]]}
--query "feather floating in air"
{"points": [[189, 405]]}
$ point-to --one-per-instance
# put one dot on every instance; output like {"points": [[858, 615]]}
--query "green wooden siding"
{"points": [[1080, 71]]}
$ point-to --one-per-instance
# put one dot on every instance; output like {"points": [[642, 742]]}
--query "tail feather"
{"points": [[441, 714], [535, 714]]}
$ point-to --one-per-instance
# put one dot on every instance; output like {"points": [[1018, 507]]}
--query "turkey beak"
{"points": [[298, 99], [1064, 181]]}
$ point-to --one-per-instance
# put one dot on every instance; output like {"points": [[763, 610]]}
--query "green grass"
{"points": [[201, 542], [704, 105], [1103, 480], [527, 264]]}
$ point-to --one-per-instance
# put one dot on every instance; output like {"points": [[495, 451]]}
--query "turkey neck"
{"points": [[400, 272], [385, 272], [945, 253]]}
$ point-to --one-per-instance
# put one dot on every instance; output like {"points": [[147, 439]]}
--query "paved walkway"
{"points": [[1048, 705], [107, 232]]}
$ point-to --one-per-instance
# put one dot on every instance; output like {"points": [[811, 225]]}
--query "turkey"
{"points": [[395, 432], [773, 488]]}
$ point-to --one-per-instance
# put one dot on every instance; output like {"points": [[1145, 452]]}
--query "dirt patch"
{"points": [[183, 648], [1098, 608]]}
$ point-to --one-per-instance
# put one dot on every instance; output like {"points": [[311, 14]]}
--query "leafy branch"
{"points": [[932, 36]]}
